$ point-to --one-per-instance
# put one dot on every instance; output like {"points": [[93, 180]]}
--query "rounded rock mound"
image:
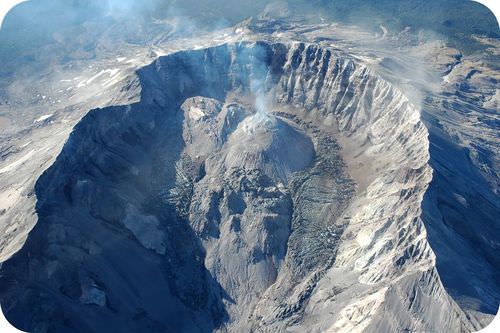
{"points": [[267, 143]]}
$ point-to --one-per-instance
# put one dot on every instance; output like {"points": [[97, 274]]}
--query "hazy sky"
{"points": [[5, 6], [493, 5]]}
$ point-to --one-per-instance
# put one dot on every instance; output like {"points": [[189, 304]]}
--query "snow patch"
{"points": [[42, 118], [357, 316], [196, 113], [12, 166]]}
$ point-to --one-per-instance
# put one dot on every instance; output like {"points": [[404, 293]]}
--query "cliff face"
{"points": [[255, 186]]}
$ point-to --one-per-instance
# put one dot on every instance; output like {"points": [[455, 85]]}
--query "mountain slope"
{"points": [[243, 212]]}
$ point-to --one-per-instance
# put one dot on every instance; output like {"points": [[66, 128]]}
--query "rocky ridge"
{"points": [[303, 211]]}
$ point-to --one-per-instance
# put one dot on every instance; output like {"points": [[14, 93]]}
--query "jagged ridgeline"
{"points": [[221, 202]]}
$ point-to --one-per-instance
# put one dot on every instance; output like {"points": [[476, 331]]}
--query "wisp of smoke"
{"points": [[258, 69]]}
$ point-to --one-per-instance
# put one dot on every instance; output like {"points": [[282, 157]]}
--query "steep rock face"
{"points": [[202, 208], [462, 204]]}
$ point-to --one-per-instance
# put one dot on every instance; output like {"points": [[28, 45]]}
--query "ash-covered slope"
{"points": [[254, 187]]}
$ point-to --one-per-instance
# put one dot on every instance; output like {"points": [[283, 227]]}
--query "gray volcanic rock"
{"points": [[287, 174], [234, 216]]}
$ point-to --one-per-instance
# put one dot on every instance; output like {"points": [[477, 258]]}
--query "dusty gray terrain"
{"points": [[282, 174]]}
